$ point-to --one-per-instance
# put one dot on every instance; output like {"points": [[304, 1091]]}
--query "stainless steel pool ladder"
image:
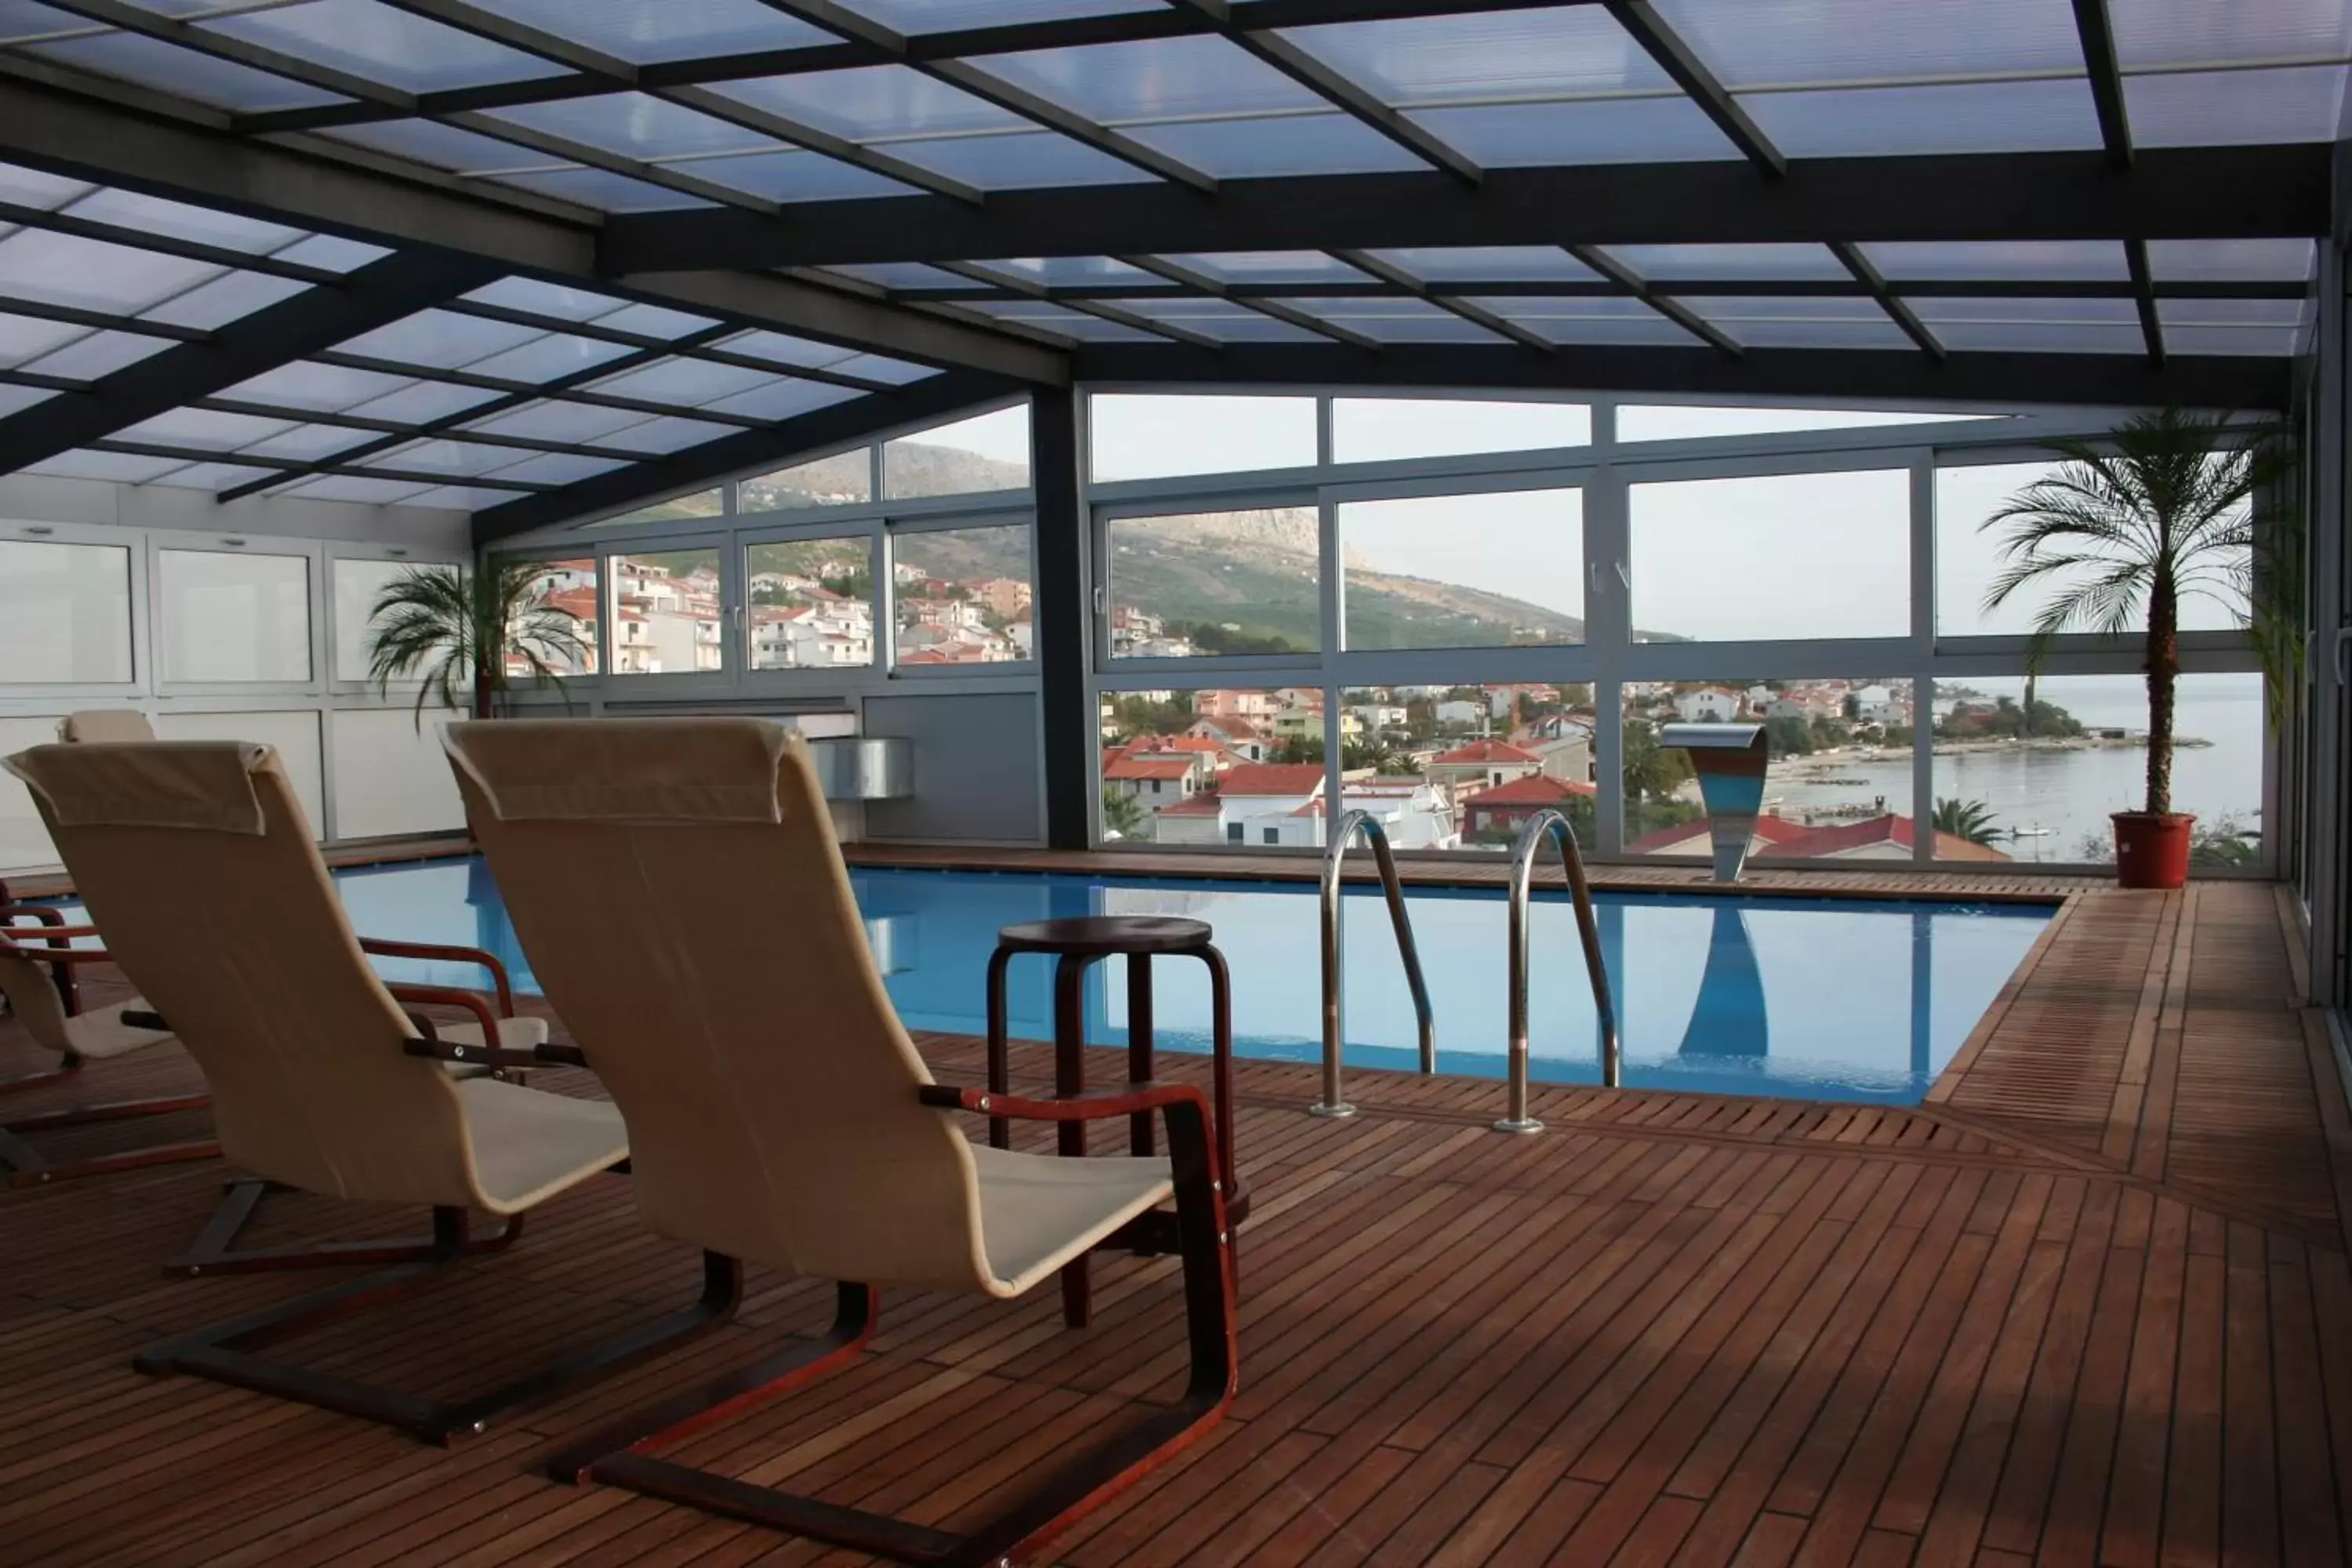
{"points": [[1350, 825], [1549, 823]]}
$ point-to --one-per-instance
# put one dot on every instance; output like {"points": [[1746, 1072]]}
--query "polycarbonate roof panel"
{"points": [[122, 467], [1220, 319], [225, 299], [324, 388], [2280, 341], [25, 19], [381, 44], [1076, 271], [654, 321], [1592, 131], [578, 423], [212, 475], [332, 252], [459, 497], [783, 399], [1602, 320], [551, 358], [97, 354], [2016, 260], [686, 382], [310, 443], [202, 428], [93, 275], [1966, 117], [2230, 260], [1027, 162], [2233, 313], [1392, 320], [796, 176], [634, 123], [1270, 266], [1779, 322], [871, 102], [1329, 143], [152, 62], [655, 436], [783, 348], [1693, 263], [1153, 79], [604, 190], [153, 214], [443, 146], [1490, 263], [1068, 322], [1750, 43], [1559, 53], [462, 460], [2032, 326], [2190, 32], [949, 16], [441, 340], [2238, 108], [420, 402], [559, 468], [900, 275], [1967, 308], [29, 337], [645, 32], [33, 188], [17, 399], [545, 299], [352, 488], [889, 371]]}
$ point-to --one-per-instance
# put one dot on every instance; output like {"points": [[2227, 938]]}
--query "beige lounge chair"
{"points": [[105, 724], [677, 885], [195, 860]]}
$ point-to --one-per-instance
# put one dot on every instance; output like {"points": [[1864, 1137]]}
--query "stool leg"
{"points": [[1000, 1051], [1070, 1078], [1220, 1064], [1139, 1044]]}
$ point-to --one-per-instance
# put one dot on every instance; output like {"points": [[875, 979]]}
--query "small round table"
{"points": [[1077, 943]]}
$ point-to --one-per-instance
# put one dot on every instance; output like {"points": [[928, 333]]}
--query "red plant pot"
{"points": [[2152, 850]]}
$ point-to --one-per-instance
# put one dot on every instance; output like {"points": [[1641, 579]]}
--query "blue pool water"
{"points": [[1810, 998]]}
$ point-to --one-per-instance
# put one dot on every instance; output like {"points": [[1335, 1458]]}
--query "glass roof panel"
{"points": [[546, 359], [576, 423], [152, 62], [1686, 263], [440, 339], [225, 299], [545, 299], [459, 497], [1750, 43], [1220, 319], [310, 443], [2236, 108], [26, 19], [326, 389], [1935, 308], [66, 269], [1559, 53], [2232, 313], [646, 31], [203, 428], [385, 44], [783, 399], [2040, 337], [463, 459], [1068, 322], [1077, 272], [1152, 78], [1271, 266], [2180, 32], [1329, 143], [443, 146], [686, 382], [635, 124], [212, 475], [1375, 318], [601, 189], [153, 214], [795, 176], [674, 435], [2230, 260], [1026, 162], [654, 321], [2282, 341], [29, 337], [2019, 260], [946, 16], [1602, 320], [17, 399], [783, 348], [98, 354], [900, 275], [1785, 308], [33, 188], [889, 371], [1593, 131], [559, 468], [1778, 321], [332, 251], [352, 488], [1960, 117], [422, 402], [1496, 263], [873, 100], [122, 467]]}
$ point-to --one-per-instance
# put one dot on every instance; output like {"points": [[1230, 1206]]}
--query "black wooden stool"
{"points": [[1078, 943]]}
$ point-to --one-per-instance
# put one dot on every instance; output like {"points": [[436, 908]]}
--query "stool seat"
{"points": [[1103, 936]]}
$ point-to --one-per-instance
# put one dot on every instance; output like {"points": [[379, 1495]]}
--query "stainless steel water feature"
{"points": [[1350, 825], [851, 767], [1729, 759], [1549, 823]]}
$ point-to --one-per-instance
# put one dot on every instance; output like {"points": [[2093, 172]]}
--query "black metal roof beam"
{"points": [[74, 316], [2097, 34], [1874, 283], [1699, 84], [715, 460], [2151, 325], [1335, 89], [303, 469], [1630, 282], [1202, 283], [1398, 280], [1460, 291], [1018, 288], [893, 47], [2253, 192], [371, 296]]}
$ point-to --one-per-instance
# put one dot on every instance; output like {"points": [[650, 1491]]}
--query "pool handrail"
{"points": [[1545, 824], [1352, 824]]}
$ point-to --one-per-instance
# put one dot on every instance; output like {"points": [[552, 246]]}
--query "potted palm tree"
{"points": [[2130, 526], [460, 630]]}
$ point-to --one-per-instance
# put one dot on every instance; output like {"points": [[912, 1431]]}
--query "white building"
{"points": [[1708, 705]]}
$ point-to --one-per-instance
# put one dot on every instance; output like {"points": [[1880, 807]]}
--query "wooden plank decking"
{"points": [[2091, 1304]]}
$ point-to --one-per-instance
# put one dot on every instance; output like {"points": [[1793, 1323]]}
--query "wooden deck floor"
{"points": [[2090, 1304]]}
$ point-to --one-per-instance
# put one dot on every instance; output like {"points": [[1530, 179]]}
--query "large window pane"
{"points": [[1233, 768], [1215, 582], [570, 586], [1503, 570], [1778, 557], [356, 585], [1838, 786], [231, 617], [1968, 557], [65, 612], [845, 478], [1153, 435], [1484, 759], [666, 615], [2037, 782], [962, 596], [987, 452], [812, 603], [1381, 429]]}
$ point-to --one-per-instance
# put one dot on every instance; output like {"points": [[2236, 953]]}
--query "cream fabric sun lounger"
{"points": [[677, 885], [196, 861], [105, 724]]}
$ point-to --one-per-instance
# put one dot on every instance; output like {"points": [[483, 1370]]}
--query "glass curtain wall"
{"points": [[1456, 612]]}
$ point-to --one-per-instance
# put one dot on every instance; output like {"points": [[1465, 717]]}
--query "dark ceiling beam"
{"points": [[1630, 282], [2151, 326], [1015, 288], [1699, 84], [380, 292], [2097, 34], [2104, 380], [1455, 292], [1195, 282], [1874, 284], [714, 461], [72, 134], [1275, 50], [2261, 192], [1396, 280]]}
